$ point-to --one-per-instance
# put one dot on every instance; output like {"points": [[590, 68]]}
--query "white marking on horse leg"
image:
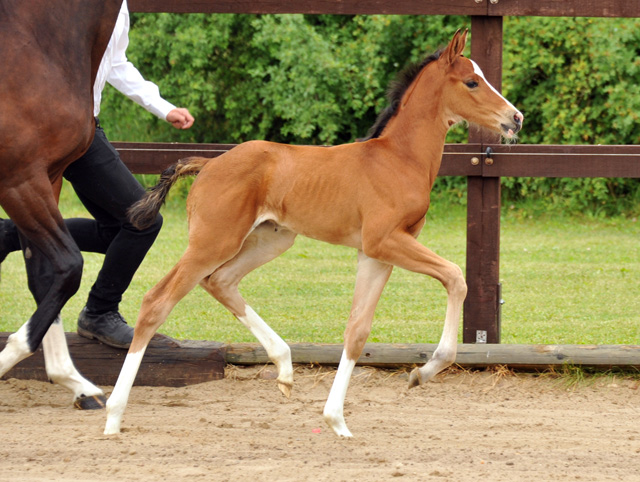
{"points": [[117, 402], [445, 354], [59, 366], [278, 351], [334, 408], [16, 350], [370, 281]]}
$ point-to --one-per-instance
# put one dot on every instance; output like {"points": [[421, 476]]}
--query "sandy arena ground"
{"points": [[491, 426]]}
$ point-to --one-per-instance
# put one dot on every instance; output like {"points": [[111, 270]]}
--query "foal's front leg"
{"points": [[403, 250], [370, 280]]}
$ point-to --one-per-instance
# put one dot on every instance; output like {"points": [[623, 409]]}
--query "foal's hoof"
{"points": [[414, 378], [285, 388], [94, 402]]}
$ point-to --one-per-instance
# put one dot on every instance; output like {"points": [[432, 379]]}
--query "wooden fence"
{"points": [[483, 171]]}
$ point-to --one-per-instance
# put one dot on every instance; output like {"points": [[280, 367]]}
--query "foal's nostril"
{"points": [[518, 117]]}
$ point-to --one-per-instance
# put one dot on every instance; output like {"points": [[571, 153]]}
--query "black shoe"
{"points": [[110, 328]]}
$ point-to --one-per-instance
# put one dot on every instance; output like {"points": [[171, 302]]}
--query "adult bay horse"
{"points": [[247, 206], [50, 51]]}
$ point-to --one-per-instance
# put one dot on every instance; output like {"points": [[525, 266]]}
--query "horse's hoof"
{"points": [[94, 402], [285, 388], [338, 426], [414, 378]]}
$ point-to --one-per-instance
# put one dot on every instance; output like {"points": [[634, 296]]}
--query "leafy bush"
{"points": [[577, 80], [287, 78]]}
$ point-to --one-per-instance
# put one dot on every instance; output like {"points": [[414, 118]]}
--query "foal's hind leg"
{"points": [[156, 306], [265, 243], [370, 281]]}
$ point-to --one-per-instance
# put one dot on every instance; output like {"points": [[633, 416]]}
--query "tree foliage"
{"points": [[288, 78], [321, 79], [578, 82]]}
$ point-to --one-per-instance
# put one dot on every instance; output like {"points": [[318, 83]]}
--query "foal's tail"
{"points": [[143, 213]]}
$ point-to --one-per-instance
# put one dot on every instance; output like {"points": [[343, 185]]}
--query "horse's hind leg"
{"points": [[61, 370], [54, 269], [370, 281], [265, 243]]}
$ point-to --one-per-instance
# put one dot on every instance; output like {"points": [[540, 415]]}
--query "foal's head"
{"points": [[467, 94]]}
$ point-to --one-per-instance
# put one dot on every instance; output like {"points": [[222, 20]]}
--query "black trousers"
{"points": [[107, 189]]}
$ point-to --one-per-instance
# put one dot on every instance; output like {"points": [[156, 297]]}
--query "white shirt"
{"points": [[123, 75]]}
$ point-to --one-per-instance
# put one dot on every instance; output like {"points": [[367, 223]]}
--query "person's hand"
{"points": [[180, 118]]}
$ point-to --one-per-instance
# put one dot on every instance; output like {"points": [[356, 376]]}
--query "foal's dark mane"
{"points": [[396, 90]]}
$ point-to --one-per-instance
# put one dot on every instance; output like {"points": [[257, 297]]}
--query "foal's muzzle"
{"points": [[515, 125]]}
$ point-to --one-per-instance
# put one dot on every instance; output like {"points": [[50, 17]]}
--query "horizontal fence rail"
{"points": [[518, 160], [499, 8], [531, 160], [153, 158]]}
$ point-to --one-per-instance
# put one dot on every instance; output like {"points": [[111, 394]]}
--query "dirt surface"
{"points": [[464, 426]]}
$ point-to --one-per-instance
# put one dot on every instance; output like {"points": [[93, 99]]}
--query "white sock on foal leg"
{"points": [[118, 400], [445, 354], [278, 351], [334, 408]]}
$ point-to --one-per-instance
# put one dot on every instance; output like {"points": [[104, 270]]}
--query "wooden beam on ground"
{"points": [[469, 355], [167, 362], [172, 363]]}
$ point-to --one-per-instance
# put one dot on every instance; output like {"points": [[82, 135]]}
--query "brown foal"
{"points": [[247, 206]]}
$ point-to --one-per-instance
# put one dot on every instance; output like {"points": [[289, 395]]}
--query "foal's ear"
{"points": [[455, 47]]}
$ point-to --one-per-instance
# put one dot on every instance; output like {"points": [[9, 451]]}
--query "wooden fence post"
{"points": [[481, 306]]}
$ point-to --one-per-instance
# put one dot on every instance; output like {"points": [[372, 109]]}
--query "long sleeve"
{"points": [[124, 76]]}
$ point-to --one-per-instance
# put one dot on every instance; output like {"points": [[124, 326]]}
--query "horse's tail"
{"points": [[143, 213]]}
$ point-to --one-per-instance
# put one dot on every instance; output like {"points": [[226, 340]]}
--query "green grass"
{"points": [[570, 280], [565, 280]]}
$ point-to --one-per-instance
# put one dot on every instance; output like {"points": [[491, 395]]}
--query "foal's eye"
{"points": [[472, 84]]}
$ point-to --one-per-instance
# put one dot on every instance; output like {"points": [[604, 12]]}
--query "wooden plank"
{"points": [[167, 362], [518, 160], [469, 355], [340, 7], [549, 8], [154, 157], [457, 160], [564, 161], [566, 8], [483, 205]]}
